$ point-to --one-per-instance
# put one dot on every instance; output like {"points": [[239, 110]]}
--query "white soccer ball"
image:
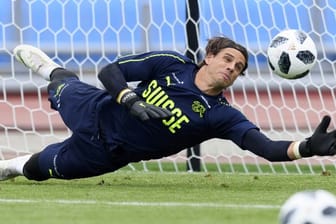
{"points": [[309, 207], [291, 54]]}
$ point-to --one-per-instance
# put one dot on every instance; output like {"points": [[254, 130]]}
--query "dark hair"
{"points": [[216, 44]]}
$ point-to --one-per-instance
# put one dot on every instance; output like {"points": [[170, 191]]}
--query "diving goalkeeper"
{"points": [[177, 104]]}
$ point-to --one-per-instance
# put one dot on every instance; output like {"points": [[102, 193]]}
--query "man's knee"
{"points": [[31, 170]]}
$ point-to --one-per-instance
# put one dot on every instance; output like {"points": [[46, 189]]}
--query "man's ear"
{"points": [[208, 58]]}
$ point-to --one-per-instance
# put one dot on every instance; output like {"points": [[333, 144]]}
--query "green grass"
{"points": [[151, 197]]}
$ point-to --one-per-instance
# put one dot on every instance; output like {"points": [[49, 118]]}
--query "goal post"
{"points": [[193, 52], [83, 36]]}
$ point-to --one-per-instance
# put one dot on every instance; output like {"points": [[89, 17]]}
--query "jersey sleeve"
{"points": [[261, 145], [148, 66], [230, 124]]}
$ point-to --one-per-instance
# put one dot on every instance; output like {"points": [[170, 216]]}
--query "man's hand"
{"points": [[321, 143], [141, 109]]}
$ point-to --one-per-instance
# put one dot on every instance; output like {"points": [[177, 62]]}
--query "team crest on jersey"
{"points": [[197, 107]]}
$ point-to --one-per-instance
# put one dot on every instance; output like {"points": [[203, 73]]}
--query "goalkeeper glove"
{"points": [[321, 143], [141, 109]]}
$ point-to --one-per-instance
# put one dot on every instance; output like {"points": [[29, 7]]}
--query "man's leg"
{"points": [[42, 165], [57, 83], [13, 167], [83, 154], [40, 63], [36, 60], [78, 156], [31, 169]]}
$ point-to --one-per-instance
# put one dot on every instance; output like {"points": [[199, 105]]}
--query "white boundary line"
{"points": [[139, 203]]}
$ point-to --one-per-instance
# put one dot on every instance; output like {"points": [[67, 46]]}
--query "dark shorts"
{"points": [[84, 153]]}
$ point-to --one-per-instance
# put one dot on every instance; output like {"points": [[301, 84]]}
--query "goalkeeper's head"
{"points": [[216, 44]]}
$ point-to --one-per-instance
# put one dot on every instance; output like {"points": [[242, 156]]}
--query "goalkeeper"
{"points": [[177, 104]]}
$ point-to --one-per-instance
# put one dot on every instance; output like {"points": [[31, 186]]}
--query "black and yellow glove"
{"points": [[141, 109]]}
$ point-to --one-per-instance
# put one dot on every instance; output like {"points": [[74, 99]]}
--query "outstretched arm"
{"points": [[321, 143]]}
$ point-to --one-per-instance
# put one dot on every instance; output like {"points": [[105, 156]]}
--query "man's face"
{"points": [[224, 68]]}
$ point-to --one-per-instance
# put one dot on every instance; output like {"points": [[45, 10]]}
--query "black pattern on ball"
{"points": [[288, 216], [301, 37], [278, 41], [284, 63], [330, 210], [306, 57]]}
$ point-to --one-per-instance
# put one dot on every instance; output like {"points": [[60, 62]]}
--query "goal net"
{"points": [[83, 36]]}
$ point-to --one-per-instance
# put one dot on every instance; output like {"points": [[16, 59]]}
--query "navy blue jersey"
{"points": [[167, 80]]}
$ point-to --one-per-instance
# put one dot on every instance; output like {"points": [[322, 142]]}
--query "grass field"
{"points": [[130, 197]]}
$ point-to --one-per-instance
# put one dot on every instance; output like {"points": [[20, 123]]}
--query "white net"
{"points": [[83, 36]]}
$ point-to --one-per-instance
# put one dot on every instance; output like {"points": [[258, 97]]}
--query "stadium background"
{"points": [[86, 35]]}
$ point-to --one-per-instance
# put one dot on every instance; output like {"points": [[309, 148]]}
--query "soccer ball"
{"points": [[291, 54], [312, 207]]}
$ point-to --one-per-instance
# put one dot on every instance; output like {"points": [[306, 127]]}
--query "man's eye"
{"points": [[239, 68], [227, 59]]}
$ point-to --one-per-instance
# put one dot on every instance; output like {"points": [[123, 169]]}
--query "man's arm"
{"points": [[114, 81], [261, 145], [321, 143]]}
